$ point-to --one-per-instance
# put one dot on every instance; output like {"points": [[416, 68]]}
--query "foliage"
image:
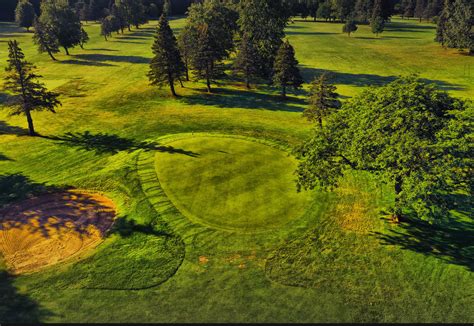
{"points": [[246, 61], [407, 133], [377, 25], [322, 100], [25, 14], [166, 67], [349, 27], [21, 81], [286, 72], [45, 39]]}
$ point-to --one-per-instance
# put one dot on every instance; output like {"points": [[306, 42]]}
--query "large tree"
{"points": [[64, 22], [28, 93], [45, 38], [323, 100], [264, 22], [286, 72], [409, 134], [246, 61], [166, 67], [25, 14], [458, 29], [213, 25], [187, 40]]}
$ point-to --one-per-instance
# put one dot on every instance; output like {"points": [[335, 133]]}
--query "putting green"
{"points": [[231, 183]]}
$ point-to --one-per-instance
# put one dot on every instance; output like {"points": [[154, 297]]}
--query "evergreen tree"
{"points": [[322, 100], [45, 39], [459, 32], [324, 11], [363, 10], [187, 39], [28, 93], [286, 72], [408, 134], [246, 60], [24, 14], [442, 20], [107, 26], [349, 27], [420, 9], [166, 67], [167, 8], [264, 22], [93, 10], [408, 8]]}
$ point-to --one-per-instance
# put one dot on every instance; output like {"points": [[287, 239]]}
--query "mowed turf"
{"points": [[339, 262], [231, 183]]}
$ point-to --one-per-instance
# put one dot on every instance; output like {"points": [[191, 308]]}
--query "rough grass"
{"points": [[357, 268]]}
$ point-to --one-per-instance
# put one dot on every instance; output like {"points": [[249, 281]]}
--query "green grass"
{"points": [[231, 183], [338, 262]]}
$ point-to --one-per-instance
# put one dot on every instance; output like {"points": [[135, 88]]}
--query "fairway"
{"points": [[249, 188], [208, 226]]}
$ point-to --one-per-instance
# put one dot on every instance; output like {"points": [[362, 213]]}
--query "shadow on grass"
{"points": [[246, 99], [4, 158], [86, 63], [103, 143], [16, 307], [6, 129], [451, 241], [290, 32], [103, 50], [125, 228], [363, 80], [100, 58]]}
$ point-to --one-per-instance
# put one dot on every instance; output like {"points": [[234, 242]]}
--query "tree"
{"points": [[409, 134], [420, 9], [324, 11], [322, 100], [166, 67], [167, 8], [264, 22], [45, 38], [107, 26], [28, 93], [349, 27], [377, 25], [286, 72], [187, 39], [84, 38], [213, 25], [442, 21], [25, 14], [246, 60], [63, 21], [459, 31]]}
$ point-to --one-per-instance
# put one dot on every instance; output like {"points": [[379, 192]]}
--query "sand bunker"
{"points": [[49, 229]]}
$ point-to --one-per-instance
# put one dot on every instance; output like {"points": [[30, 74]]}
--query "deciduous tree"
{"points": [[24, 14]]}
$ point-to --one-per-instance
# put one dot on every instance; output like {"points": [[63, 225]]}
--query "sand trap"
{"points": [[49, 229]]}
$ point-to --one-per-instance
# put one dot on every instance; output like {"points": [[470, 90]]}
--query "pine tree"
{"points": [[106, 26], [167, 10], [420, 9], [349, 27], [25, 14], [459, 31], [322, 100], [28, 93], [246, 60], [45, 38], [187, 39], [166, 67], [442, 20], [286, 72]]}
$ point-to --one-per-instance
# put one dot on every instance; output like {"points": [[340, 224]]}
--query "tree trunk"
{"points": [[31, 127], [67, 51], [171, 82], [320, 121], [283, 91], [247, 78], [51, 55], [187, 72], [82, 46], [208, 84], [397, 213], [181, 82], [105, 36]]}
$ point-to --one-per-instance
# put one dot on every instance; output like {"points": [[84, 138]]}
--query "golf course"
{"points": [[132, 205]]}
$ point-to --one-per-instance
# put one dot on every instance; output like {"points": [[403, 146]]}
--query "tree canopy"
{"points": [[409, 134]]}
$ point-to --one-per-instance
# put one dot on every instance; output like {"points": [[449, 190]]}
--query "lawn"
{"points": [[176, 255]]}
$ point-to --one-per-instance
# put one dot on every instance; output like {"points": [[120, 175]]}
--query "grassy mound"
{"points": [[231, 183]]}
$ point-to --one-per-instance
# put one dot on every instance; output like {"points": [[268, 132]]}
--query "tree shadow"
{"points": [[100, 58], [6, 129], [4, 158], [451, 240], [131, 42], [86, 63], [101, 49], [309, 33], [16, 307], [126, 227], [246, 99], [102, 143], [364, 80]]}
